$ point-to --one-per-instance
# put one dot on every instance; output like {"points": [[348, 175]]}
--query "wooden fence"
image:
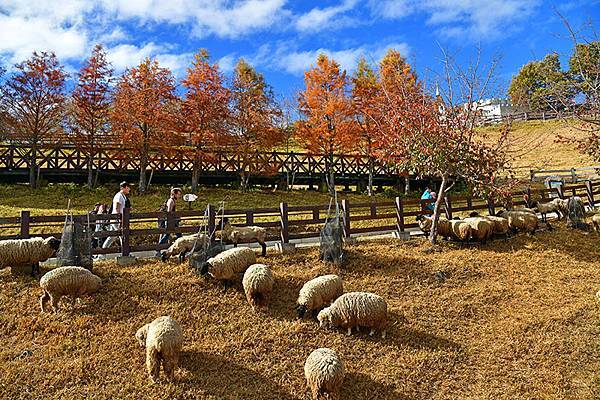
{"points": [[284, 223], [573, 175], [524, 116]]}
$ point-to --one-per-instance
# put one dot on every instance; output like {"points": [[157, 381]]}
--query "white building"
{"points": [[492, 110]]}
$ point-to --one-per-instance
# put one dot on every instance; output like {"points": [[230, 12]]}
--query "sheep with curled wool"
{"points": [[324, 371], [500, 225], [181, 246], [227, 265], [67, 281], [163, 339], [258, 285], [356, 309], [481, 229], [317, 293], [520, 220], [27, 252]]}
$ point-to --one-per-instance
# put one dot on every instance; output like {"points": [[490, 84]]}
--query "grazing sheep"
{"points": [[163, 339], [67, 281], [258, 285], [319, 292], [520, 220], [16, 253], [500, 225], [546, 208], [324, 371], [184, 244], [561, 205], [243, 234], [596, 222], [454, 229], [226, 265], [481, 229], [356, 309]]}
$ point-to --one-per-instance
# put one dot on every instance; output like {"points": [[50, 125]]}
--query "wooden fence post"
{"points": [[573, 175], [491, 208], [125, 250], [170, 222], [448, 203], [25, 220], [249, 217], [210, 209], [283, 217], [590, 193], [561, 190], [399, 214], [346, 211]]}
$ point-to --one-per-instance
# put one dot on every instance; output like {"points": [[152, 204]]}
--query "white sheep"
{"points": [[500, 225], [243, 234], [356, 309], [520, 220], [481, 229], [67, 281], [319, 292], [596, 222], [16, 253], [185, 244], [163, 339], [258, 285], [454, 229], [324, 372], [546, 208], [226, 265]]}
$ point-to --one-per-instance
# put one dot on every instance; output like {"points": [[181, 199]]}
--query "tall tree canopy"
{"points": [[327, 123], [144, 113], [91, 101], [254, 120], [33, 100], [205, 108]]}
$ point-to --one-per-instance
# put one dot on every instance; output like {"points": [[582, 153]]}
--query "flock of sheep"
{"points": [[322, 296]]}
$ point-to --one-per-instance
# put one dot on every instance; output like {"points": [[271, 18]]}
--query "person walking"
{"points": [[119, 203], [169, 206]]}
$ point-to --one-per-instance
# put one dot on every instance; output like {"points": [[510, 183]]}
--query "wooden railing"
{"points": [[524, 116], [139, 231], [572, 175]]}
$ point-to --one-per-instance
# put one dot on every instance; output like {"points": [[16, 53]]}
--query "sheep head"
{"points": [[204, 268], [140, 335], [324, 318], [474, 214], [301, 310], [52, 242]]}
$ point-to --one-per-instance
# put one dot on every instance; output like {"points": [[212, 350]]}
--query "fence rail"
{"points": [[573, 175], [284, 223], [524, 116]]}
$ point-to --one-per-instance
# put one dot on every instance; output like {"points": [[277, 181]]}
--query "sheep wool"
{"points": [[19, 252], [521, 220], [319, 292], [241, 234], [455, 229], [356, 309], [481, 229], [258, 285], [67, 281], [461, 230], [185, 244], [324, 372], [163, 339], [596, 222], [225, 265], [500, 225]]}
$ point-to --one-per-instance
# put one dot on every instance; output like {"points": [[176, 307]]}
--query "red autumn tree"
{"points": [[437, 137], [33, 100], [365, 93], [90, 107], [254, 120], [205, 109], [327, 126], [144, 112]]}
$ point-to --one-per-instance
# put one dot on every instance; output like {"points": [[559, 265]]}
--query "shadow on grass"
{"points": [[361, 386], [227, 380]]}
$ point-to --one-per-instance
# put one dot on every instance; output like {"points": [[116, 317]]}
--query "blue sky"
{"points": [[282, 38]]}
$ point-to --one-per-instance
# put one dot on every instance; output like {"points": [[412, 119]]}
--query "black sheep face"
{"points": [[301, 310], [474, 214], [204, 268], [54, 243]]}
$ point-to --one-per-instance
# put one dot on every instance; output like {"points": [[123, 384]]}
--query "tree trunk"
{"points": [[436, 210], [90, 177], [330, 174], [32, 169], [244, 179], [407, 184], [195, 174], [143, 164], [371, 168]]}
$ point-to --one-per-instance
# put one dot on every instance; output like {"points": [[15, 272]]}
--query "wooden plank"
{"points": [[372, 218]]}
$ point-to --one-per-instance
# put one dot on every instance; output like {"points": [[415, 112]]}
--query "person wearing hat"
{"points": [[119, 203]]}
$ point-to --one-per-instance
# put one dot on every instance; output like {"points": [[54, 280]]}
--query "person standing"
{"points": [[169, 206], [119, 203]]}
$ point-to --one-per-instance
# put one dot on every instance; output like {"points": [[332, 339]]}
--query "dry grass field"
{"points": [[513, 319]]}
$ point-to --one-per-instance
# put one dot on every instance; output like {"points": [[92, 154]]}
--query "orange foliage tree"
{"points": [[33, 100], [365, 93], [327, 126], [89, 111], [254, 121], [205, 109], [144, 112], [436, 136]]}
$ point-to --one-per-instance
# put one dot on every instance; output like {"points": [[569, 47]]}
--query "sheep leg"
{"points": [[383, 334], [235, 244], [372, 332], [169, 367], [349, 331], [264, 249], [43, 300], [35, 269], [54, 302], [182, 256], [152, 364], [225, 285]]}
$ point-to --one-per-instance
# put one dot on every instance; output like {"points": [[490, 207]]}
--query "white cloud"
{"points": [[227, 63], [177, 63], [296, 62], [125, 56], [319, 19], [391, 9]]}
